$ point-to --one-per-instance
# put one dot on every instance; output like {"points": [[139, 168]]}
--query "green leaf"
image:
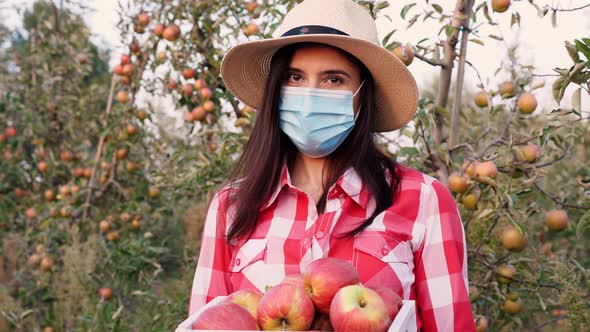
{"points": [[388, 36], [577, 99], [486, 13], [449, 29], [583, 225], [437, 8], [572, 51], [382, 5], [583, 48], [477, 41], [541, 302], [559, 88], [405, 9], [408, 151]]}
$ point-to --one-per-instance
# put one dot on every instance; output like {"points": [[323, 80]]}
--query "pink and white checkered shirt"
{"points": [[416, 247]]}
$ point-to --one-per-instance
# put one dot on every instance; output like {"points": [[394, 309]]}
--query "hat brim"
{"points": [[245, 68]]}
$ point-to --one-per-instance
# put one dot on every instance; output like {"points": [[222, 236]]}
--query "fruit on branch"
{"points": [[500, 6], [470, 200], [505, 273], [513, 239], [171, 32], [556, 220], [458, 183], [105, 293], [250, 29], [481, 99], [485, 172], [405, 53], [527, 103], [507, 89]]}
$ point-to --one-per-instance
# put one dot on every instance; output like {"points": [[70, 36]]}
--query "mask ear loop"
{"points": [[353, 95]]}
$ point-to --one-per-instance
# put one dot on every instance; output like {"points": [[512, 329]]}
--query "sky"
{"points": [[541, 45]]}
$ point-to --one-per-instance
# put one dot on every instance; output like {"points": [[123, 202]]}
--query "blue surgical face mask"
{"points": [[316, 120]]}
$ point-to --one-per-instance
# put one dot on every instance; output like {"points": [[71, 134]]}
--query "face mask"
{"points": [[317, 120]]}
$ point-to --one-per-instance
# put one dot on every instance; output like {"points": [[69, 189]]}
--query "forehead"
{"points": [[318, 57]]}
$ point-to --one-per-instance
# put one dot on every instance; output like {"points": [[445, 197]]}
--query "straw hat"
{"points": [[339, 23]]}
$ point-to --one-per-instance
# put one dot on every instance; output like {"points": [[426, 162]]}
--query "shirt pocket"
{"points": [[251, 252], [383, 246]]}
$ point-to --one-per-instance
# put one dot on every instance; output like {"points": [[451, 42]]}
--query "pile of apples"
{"points": [[328, 296]]}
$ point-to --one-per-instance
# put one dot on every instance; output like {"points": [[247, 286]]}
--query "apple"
{"points": [[556, 220], [143, 18], [225, 316], [500, 6], [125, 59], [42, 166], [134, 47], [10, 131], [393, 302], [31, 213], [118, 70], [187, 90], [171, 32], [122, 97], [247, 299], [285, 307], [127, 69], [250, 29], [209, 106], [199, 113], [188, 73], [205, 93], [105, 293], [159, 29], [358, 308], [324, 277], [200, 83], [294, 279], [485, 171], [405, 53], [458, 183]]}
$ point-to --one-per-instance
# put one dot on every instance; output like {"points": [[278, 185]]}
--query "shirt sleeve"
{"points": [[441, 283], [211, 276]]}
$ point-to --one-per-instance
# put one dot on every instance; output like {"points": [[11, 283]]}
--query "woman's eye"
{"points": [[334, 80], [294, 77]]}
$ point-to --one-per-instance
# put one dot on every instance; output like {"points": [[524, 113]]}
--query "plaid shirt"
{"points": [[416, 246]]}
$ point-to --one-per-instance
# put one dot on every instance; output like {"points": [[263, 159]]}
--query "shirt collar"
{"points": [[349, 182]]}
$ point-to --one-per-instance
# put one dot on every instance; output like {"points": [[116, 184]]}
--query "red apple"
{"points": [[159, 29], [125, 59], [247, 299], [358, 308], [225, 316], [324, 277], [393, 302], [285, 307], [294, 279]]}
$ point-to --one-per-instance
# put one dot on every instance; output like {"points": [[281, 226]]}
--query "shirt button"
{"points": [[384, 251], [319, 234], [238, 262]]}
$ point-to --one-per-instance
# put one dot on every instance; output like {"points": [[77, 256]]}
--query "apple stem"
{"points": [[283, 325]]}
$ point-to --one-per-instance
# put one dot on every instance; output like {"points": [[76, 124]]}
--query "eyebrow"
{"points": [[325, 72]]}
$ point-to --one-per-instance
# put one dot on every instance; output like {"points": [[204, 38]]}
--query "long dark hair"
{"points": [[260, 164]]}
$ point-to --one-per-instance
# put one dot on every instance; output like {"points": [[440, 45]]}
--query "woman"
{"points": [[312, 183]]}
